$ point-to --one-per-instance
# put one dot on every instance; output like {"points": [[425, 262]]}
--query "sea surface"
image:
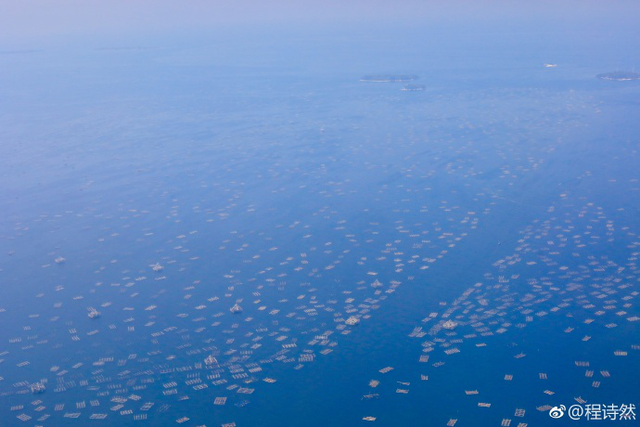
{"points": [[483, 233]]}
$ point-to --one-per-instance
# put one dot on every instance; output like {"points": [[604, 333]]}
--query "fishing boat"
{"points": [[37, 388], [449, 324], [352, 321]]}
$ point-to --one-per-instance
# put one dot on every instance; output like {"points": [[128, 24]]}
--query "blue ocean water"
{"points": [[164, 182]]}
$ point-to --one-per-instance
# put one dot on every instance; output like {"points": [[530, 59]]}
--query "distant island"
{"points": [[389, 78], [413, 88], [619, 76]]}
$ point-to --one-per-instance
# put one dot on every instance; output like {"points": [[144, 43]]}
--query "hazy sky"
{"points": [[33, 19]]}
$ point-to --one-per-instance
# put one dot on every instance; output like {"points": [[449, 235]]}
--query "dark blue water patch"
{"points": [[225, 164]]}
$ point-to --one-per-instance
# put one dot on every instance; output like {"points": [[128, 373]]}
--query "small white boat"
{"points": [[449, 324], [376, 284], [236, 309], [352, 321]]}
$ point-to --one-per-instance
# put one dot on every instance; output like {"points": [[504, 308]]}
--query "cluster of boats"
{"points": [[37, 388]]}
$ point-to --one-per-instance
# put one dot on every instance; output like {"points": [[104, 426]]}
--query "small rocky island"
{"points": [[620, 76], [389, 78], [413, 88]]}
